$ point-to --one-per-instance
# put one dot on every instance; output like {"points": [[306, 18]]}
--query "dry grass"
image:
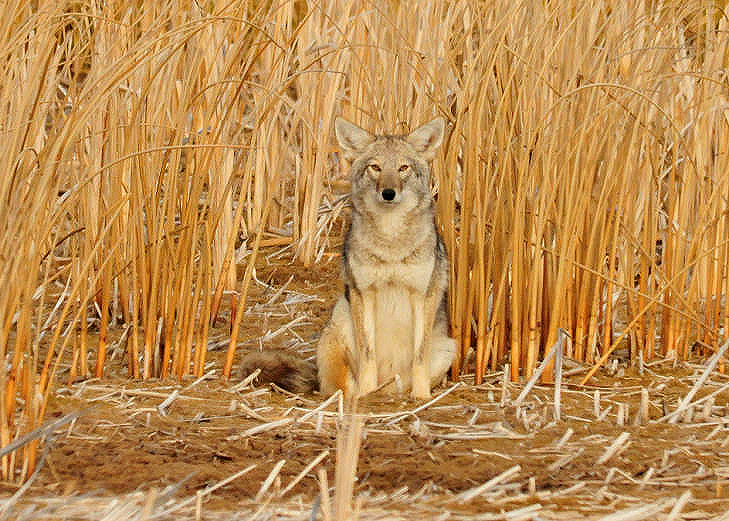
{"points": [[229, 451], [150, 148]]}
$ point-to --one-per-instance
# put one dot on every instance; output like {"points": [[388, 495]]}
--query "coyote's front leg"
{"points": [[363, 318], [424, 308]]}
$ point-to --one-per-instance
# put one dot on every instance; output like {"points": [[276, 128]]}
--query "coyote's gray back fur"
{"points": [[392, 319]]}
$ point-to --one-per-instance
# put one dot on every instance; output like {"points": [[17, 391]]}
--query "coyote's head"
{"points": [[390, 172]]}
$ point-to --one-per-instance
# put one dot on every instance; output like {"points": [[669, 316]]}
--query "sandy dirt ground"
{"points": [[167, 449]]}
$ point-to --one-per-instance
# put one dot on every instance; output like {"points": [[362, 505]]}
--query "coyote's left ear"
{"points": [[426, 139], [352, 139]]}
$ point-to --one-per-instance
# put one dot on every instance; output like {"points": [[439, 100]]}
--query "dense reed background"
{"points": [[149, 147]]}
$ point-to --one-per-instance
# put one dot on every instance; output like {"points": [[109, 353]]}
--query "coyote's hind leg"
{"points": [[335, 352]]}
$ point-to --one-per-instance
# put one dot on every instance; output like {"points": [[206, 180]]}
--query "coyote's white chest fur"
{"points": [[393, 334], [392, 318], [394, 285]]}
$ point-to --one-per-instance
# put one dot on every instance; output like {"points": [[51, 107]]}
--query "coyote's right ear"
{"points": [[352, 139], [427, 138]]}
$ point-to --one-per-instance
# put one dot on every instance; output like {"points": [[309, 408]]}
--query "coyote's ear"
{"points": [[426, 139], [352, 139]]}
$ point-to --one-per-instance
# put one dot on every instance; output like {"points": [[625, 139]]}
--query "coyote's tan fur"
{"points": [[392, 319]]}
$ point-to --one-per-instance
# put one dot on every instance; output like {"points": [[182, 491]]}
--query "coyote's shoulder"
{"points": [[390, 327]]}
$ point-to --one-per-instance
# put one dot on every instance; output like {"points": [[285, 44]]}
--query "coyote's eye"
{"points": [[375, 167], [403, 168]]}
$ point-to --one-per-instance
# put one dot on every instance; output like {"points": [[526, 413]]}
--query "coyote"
{"points": [[392, 318]]}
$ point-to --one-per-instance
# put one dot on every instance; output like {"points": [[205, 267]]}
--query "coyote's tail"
{"points": [[282, 368]]}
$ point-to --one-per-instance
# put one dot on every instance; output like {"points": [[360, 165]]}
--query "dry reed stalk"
{"points": [[473, 493], [206, 314], [349, 439], [104, 321], [305, 471], [325, 503]]}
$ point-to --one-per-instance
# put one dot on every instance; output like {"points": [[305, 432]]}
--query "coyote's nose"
{"points": [[388, 194]]}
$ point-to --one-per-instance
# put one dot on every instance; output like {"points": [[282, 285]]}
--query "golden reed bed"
{"points": [[150, 148]]}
